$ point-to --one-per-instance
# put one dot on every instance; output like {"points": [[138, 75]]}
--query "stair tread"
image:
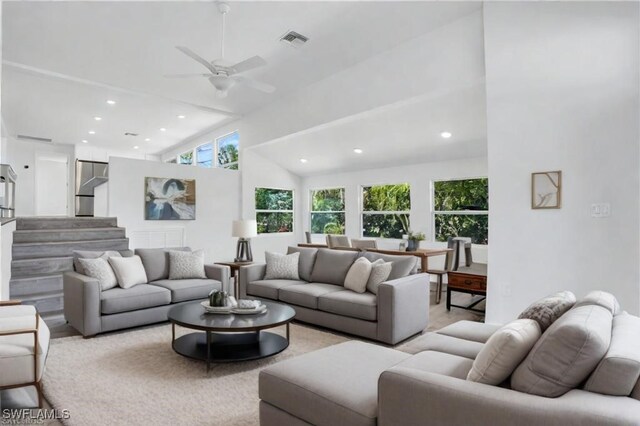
{"points": [[104, 228], [37, 276], [41, 296], [69, 242]]}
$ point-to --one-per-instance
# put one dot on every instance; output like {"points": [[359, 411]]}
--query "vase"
{"points": [[413, 245]]}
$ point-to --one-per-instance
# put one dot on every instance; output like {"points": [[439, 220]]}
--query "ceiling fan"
{"points": [[222, 75]]}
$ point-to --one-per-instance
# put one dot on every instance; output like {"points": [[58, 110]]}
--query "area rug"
{"points": [[135, 378]]}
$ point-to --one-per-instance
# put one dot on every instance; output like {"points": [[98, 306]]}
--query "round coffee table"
{"points": [[229, 337]]}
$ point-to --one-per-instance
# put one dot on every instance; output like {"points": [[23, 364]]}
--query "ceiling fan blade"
{"points": [[190, 53], [186, 75], [248, 64], [255, 84]]}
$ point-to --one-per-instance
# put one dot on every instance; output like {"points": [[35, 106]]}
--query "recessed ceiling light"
{"points": [[446, 135], [92, 132], [97, 118], [357, 150], [85, 141], [110, 102], [182, 116], [303, 160], [162, 129], [135, 147], [147, 140]]}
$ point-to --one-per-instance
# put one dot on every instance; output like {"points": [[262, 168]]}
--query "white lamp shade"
{"points": [[244, 228]]}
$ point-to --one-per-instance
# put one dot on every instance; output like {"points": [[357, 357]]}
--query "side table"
{"points": [[471, 280], [235, 268]]}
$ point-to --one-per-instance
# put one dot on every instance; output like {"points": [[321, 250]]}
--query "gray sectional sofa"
{"points": [[399, 310], [91, 311], [589, 359]]}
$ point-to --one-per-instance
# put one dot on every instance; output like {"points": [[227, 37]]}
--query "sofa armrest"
{"points": [[413, 397], [403, 307], [220, 273], [248, 274], [82, 303]]}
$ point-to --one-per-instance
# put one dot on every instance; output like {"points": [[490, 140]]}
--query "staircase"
{"points": [[43, 250]]}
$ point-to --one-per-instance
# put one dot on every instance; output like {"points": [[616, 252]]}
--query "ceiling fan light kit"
{"points": [[222, 75]]}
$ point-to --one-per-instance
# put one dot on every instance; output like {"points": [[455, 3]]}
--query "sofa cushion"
{"points": [[619, 370], [331, 266], [269, 288], [504, 351], [470, 330], [601, 298], [337, 385], [100, 269], [89, 254], [380, 271], [548, 309], [441, 343], [156, 261], [189, 288], [350, 304], [141, 296], [186, 265], [306, 261], [282, 266], [128, 270], [306, 294], [566, 353], [358, 275], [439, 363], [401, 266]]}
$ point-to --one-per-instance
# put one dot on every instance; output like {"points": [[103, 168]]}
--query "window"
{"points": [[204, 155], [461, 209], [327, 211], [186, 158], [385, 210], [227, 148], [274, 210]]}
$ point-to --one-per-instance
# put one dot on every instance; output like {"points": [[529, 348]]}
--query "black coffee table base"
{"points": [[230, 347]]}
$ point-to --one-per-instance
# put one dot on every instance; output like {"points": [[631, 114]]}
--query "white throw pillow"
{"points": [[380, 271], [282, 266], [504, 351], [129, 271], [358, 275], [99, 269], [186, 264]]}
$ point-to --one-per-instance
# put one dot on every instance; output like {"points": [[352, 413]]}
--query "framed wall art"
{"points": [[169, 199], [546, 190]]}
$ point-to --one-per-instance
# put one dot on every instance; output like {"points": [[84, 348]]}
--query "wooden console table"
{"points": [[471, 280]]}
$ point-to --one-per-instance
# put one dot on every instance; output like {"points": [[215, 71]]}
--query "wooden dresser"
{"points": [[470, 280]]}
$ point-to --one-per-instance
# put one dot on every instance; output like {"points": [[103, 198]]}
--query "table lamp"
{"points": [[244, 230]]}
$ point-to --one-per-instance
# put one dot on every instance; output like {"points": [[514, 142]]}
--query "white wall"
{"points": [[21, 153], [96, 153], [258, 172], [562, 93], [217, 203], [419, 176]]}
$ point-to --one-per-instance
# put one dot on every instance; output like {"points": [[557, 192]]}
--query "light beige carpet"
{"points": [[135, 378]]}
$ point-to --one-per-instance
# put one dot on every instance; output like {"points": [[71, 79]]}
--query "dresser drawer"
{"points": [[470, 282]]}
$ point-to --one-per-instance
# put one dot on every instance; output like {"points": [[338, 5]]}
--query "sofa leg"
{"points": [[438, 289], [38, 386]]}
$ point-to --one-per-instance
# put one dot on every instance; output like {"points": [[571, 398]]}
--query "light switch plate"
{"points": [[600, 210]]}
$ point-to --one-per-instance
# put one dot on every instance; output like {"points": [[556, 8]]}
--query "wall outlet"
{"points": [[601, 210]]}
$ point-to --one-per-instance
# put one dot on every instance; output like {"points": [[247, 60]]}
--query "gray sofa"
{"points": [[91, 311], [356, 383], [399, 310]]}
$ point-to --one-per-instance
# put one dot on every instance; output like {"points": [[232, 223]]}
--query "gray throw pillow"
{"points": [[99, 269], [156, 261], [282, 266], [380, 271], [185, 265], [331, 266], [401, 266], [128, 270], [547, 310], [90, 254], [307, 260]]}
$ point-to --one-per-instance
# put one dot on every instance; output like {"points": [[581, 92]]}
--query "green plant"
{"points": [[416, 236]]}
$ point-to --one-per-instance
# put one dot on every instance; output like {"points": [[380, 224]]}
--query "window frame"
{"points": [[362, 211], [216, 147], [213, 152], [435, 212], [311, 211], [293, 211]]}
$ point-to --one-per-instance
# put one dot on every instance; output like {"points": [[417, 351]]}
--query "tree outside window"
{"points": [[461, 209], [327, 211], [385, 210], [186, 158], [274, 210], [227, 147]]}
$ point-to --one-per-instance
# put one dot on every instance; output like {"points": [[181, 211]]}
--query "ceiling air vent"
{"points": [[34, 138], [131, 134], [295, 39]]}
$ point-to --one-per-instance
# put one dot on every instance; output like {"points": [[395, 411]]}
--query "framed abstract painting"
{"points": [[546, 190], [169, 199]]}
